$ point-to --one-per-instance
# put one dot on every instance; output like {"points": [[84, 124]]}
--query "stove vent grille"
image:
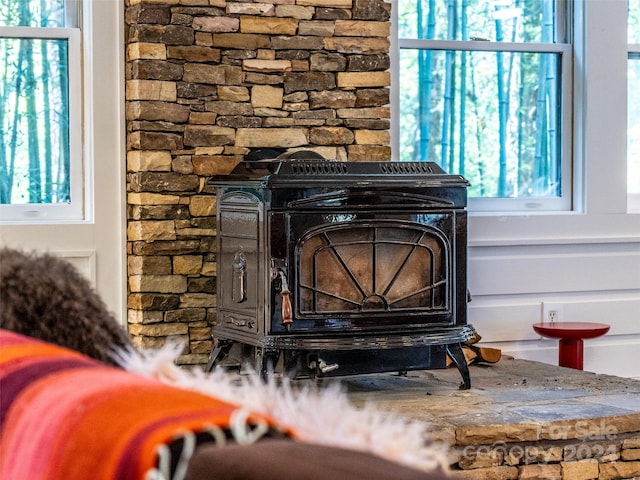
{"points": [[406, 168], [318, 168], [314, 167]]}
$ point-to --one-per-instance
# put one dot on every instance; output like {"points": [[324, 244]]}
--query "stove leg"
{"points": [[219, 352], [454, 350], [291, 363], [269, 361]]}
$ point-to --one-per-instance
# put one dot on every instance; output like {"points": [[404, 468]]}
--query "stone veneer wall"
{"points": [[206, 80], [604, 457]]}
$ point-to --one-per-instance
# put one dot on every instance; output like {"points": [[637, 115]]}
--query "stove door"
{"points": [[354, 272]]}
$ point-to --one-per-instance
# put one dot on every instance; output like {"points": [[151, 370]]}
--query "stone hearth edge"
{"points": [[521, 419]]}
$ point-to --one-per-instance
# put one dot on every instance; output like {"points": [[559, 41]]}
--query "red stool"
{"points": [[571, 335]]}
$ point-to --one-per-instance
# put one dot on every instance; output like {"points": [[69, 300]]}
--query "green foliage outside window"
{"points": [[492, 116]]}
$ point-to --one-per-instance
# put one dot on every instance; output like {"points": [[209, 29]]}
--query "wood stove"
{"points": [[332, 268]]}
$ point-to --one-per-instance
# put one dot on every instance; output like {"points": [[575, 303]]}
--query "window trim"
{"points": [[76, 210], [600, 214]]}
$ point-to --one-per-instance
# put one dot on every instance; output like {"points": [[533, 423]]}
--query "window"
{"points": [[485, 91], [633, 111], [41, 153]]}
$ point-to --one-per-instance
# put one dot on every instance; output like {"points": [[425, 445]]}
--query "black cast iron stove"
{"points": [[338, 268]]}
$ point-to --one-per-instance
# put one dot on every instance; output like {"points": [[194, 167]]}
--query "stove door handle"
{"points": [[285, 296], [287, 312]]}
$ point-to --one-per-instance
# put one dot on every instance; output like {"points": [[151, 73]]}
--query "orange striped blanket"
{"points": [[64, 416]]}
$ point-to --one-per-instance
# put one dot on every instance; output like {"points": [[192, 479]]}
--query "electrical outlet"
{"points": [[551, 312]]}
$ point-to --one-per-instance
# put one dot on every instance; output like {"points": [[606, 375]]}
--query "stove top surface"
{"points": [[314, 171]]}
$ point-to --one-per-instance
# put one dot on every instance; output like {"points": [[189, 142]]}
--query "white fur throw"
{"points": [[316, 415]]}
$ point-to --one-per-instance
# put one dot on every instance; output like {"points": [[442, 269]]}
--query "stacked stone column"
{"points": [[206, 81]]}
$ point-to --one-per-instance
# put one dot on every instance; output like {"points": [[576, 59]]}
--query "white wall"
{"points": [[95, 245], [592, 282]]}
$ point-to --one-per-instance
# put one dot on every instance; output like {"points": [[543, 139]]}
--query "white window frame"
{"points": [[99, 242], [488, 204], [600, 214], [77, 210]]}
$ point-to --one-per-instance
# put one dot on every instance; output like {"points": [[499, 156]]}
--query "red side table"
{"points": [[571, 335]]}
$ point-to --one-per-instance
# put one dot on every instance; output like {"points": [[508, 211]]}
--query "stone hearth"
{"points": [[521, 419]]}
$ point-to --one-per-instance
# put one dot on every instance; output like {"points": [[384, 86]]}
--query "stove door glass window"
{"points": [[373, 267]]}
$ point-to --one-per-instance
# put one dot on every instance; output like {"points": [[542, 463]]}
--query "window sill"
{"points": [[552, 228]]}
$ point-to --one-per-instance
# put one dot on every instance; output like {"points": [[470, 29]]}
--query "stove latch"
{"points": [[238, 287], [318, 365]]}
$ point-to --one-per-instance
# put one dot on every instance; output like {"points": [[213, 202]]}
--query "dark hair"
{"points": [[45, 297]]}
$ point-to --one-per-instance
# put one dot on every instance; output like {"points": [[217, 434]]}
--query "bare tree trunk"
{"points": [[521, 121], [512, 55], [6, 173], [463, 89], [13, 142], [480, 162], [545, 156], [46, 114], [551, 87], [502, 116], [448, 117], [35, 181], [64, 165], [425, 77]]}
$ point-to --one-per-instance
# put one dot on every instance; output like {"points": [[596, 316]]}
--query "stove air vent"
{"points": [[318, 168], [406, 168]]}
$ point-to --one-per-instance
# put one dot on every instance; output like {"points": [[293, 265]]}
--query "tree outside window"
{"points": [[481, 93], [36, 45]]}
